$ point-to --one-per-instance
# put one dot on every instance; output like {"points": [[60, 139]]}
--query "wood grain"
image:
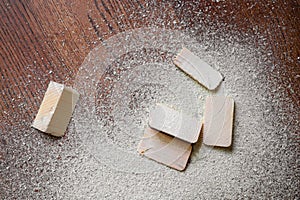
{"points": [[48, 40], [42, 40]]}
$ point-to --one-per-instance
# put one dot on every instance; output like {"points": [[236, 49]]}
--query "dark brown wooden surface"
{"points": [[48, 40], [42, 40]]}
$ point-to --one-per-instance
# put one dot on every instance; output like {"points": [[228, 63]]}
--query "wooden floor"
{"points": [[43, 40], [48, 40]]}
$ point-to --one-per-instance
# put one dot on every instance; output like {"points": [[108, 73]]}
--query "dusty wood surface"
{"points": [[44, 40]]}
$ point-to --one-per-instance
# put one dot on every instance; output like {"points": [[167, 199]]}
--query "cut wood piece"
{"points": [[165, 149], [56, 109], [218, 121], [198, 69], [175, 123]]}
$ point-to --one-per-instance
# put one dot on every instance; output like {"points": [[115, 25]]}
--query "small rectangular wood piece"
{"points": [[175, 123], [165, 149], [218, 121], [56, 109], [198, 69]]}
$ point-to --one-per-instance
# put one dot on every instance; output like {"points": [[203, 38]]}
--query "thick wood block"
{"points": [[56, 109]]}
